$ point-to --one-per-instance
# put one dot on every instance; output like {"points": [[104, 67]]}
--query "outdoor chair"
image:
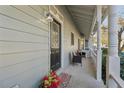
{"points": [[77, 58], [83, 54]]}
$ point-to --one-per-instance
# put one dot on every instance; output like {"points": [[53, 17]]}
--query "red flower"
{"points": [[52, 80], [54, 85], [53, 73], [45, 78]]}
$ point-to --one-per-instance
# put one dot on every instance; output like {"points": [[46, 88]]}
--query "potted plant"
{"points": [[51, 80]]}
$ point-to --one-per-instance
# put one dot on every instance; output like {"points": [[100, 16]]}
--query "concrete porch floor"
{"points": [[83, 77]]}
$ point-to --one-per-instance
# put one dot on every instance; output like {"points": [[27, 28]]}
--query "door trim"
{"points": [[56, 17]]}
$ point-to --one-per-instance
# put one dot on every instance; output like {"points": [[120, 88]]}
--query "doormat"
{"points": [[65, 78]]}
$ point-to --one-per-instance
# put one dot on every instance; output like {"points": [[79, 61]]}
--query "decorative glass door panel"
{"points": [[55, 45]]}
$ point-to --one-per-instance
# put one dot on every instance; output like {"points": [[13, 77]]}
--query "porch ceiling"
{"points": [[83, 17]]}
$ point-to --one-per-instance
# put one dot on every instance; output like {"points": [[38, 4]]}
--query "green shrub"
{"points": [[104, 55], [121, 55]]}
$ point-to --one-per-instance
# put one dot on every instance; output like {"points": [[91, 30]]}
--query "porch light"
{"points": [[49, 18]]}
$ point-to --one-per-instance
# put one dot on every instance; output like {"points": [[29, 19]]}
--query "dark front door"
{"points": [[55, 45]]}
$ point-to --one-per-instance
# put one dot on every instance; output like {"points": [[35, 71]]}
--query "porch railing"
{"points": [[93, 54], [117, 80]]}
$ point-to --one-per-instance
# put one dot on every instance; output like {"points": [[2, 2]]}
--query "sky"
{"points": [[120, 13]]}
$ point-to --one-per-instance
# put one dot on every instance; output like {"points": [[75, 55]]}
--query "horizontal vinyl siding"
{"points": [[23, 45]]}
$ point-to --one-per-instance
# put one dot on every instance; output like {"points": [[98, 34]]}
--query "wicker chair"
{"points": [[76, 58]]}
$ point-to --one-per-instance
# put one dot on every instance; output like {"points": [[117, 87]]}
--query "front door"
{"points": [[55, 45]]}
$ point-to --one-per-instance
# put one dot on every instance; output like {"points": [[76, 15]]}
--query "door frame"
{"points": [[54, 20], [57, 18]]}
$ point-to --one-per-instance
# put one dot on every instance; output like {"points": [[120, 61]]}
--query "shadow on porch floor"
{"points": [[83, 77]]}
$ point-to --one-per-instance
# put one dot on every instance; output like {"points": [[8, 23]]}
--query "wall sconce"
{"points": [[48, 17]]}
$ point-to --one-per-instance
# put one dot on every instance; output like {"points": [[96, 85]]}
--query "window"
{"points": [[79, 46], [72, 38]]}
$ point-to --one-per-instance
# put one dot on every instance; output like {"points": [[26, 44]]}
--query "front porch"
{"points": [[41, 38], [113, 61], [83, 76]]}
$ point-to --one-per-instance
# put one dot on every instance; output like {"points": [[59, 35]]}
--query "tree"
{"points": [[121, 30], [104, 35]]}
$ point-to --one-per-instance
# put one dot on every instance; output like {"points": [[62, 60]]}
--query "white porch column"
{"points": [[113, 30], [113, 61], [99, 52]]}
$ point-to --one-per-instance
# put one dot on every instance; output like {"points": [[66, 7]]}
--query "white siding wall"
{"points": [[68, 28], [23, 45]]}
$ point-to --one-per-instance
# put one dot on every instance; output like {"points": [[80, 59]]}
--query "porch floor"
{"points": [[83, 77]]}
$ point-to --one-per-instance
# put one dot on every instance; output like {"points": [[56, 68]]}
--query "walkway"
{"points": [[83, 77]]}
